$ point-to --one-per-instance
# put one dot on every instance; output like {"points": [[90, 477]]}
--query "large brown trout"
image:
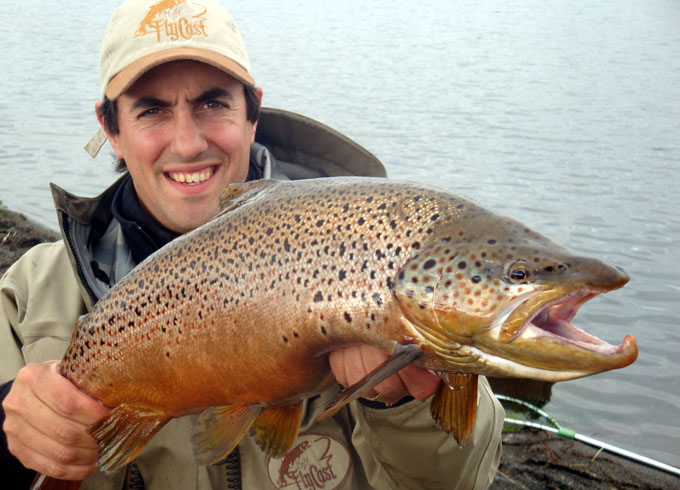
{"points": [[234, 320]]}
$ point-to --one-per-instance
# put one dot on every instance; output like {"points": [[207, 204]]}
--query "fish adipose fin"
{"points": [[235, 195], [402, 357], [218, 430], [276, 429], [455, 405]]}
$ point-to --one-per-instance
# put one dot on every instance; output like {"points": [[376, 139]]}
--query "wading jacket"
{"points": [[364, 446]]}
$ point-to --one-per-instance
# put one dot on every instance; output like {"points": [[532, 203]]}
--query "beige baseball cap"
{"points": [[143, 34]]}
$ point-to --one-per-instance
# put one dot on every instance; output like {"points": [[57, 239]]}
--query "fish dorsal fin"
{"points": [[455, 405], [402, 357], [276, 429], [234, 195], [218, 430], [123, 434]]}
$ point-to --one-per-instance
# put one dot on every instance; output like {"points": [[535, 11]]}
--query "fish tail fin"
{"points": [[454, 406], [44, 482], [217, 430], [276, 429], [123, 434]]}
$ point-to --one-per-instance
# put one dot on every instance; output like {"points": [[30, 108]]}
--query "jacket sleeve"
{"points": [[402, 448], [40, 300]]}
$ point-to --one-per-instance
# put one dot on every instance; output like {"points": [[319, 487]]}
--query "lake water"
{"points": [[564, 115]]}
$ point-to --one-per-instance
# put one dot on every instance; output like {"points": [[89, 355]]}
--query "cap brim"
{"points": [[129, 75]]}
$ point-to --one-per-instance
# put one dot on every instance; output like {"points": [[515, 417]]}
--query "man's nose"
{"points": [[188, 139]]}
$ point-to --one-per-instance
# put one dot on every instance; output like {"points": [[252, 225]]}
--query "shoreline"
{"points": [[532, 459]]}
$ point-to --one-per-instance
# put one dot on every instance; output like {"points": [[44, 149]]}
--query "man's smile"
{"points": [[192, 178]]}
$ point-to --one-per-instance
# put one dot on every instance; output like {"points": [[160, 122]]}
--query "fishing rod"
{"points": [[570, 434]]}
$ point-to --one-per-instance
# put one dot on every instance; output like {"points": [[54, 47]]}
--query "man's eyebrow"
{"points": [[212, 94], [148, 102]]}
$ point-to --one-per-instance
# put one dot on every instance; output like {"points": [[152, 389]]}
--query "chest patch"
{"points": [[316, 461]]}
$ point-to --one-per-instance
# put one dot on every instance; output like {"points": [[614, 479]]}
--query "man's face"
{"points": [[184, 136]]}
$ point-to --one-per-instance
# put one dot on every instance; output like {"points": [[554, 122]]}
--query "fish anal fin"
{"points": [[276, 429], [218, 430], [123, 434], [43, 482], [402, 357], [455, 405]]}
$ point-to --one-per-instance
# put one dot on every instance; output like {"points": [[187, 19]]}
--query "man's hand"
{"points": [[46, 420], [352, 363]]}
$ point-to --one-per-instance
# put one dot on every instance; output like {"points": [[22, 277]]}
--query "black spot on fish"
{"points": [[434, 217], [342, 275], [416, 245], [361, 221], [429, 264], [318, 297], [462, 265], [476, 279], [378, 299], [491, 242], [348, 318]]}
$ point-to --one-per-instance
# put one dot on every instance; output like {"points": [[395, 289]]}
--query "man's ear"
{"points": [[113, 138], [258, 90]]}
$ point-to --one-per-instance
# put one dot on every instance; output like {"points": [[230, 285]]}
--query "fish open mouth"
{"points": [[553, 319]]}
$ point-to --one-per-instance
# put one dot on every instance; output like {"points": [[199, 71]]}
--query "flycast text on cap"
{"points": [[168, 24]]}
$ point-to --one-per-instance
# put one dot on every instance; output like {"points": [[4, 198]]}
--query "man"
{"points": [[181, 112]]}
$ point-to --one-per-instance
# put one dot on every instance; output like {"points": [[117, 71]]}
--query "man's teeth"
{"points": [[192, 178]]}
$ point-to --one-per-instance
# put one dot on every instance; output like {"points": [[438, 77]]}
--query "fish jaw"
{"points": [[548, 347], [484, 323]]}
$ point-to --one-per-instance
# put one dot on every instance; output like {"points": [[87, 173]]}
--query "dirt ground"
{"points": [[532, 459]]}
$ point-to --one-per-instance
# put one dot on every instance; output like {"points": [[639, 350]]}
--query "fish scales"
{"points": [[320, 260], [241, 313]]}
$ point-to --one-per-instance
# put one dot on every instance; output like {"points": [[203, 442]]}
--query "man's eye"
{"points": [[214, 104], [150, 112]]}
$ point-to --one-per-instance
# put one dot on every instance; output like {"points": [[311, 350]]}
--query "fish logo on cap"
{"points": [[169, 19]]}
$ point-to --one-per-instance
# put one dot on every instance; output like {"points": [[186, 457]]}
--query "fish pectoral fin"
{"points": [[402, 357], [218, 430], [42, 482], [123, 434], [276, 429], [455, 405]]}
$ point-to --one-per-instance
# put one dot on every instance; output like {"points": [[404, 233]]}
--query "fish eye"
{"points": [[518, 272]]}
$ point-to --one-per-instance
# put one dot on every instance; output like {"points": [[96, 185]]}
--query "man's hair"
{"points": [[108, 111]]}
